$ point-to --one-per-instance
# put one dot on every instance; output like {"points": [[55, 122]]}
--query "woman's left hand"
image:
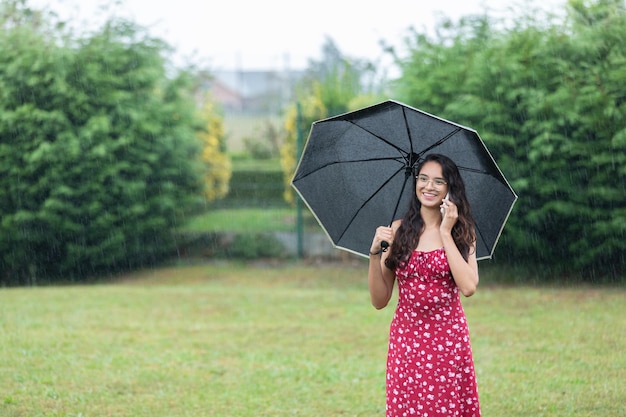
{"points": [[449, 216]]}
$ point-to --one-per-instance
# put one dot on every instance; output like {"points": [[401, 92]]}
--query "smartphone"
{"points": [[445, 198]]}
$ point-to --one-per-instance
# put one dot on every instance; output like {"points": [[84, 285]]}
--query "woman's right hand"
{"points": [[379, 277], [383, 234]]}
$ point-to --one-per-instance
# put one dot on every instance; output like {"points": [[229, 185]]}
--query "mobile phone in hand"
{"points": [[441, 209]]}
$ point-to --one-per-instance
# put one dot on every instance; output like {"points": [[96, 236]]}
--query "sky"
{"points": [[277, 34]]}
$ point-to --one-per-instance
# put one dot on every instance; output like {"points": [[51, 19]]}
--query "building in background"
{"points": [[254, 92]]}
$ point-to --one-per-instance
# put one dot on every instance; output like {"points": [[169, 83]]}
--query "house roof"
{"points": [[257, 83]]}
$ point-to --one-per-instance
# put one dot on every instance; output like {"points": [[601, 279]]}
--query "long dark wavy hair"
{"points": [[408, 234]]}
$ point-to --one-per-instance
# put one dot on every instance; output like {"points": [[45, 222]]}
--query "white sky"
{"points": [[277, 34]]}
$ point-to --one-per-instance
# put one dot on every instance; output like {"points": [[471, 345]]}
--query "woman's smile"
{"points": [[430, 195]]}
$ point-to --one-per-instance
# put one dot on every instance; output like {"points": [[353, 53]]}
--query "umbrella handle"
{"points": [[384, 245]]}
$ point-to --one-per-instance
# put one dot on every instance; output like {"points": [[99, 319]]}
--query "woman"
{"points": [[432, 253]]}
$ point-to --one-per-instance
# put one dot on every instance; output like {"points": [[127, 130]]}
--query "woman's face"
{"points": [[431, 187]]}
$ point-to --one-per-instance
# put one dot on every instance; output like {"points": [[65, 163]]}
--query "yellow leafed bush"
{"points": [[312, 108], [219, 170]]}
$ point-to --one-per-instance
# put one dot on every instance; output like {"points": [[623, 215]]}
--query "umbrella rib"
{"points": [[478, 171], [349, 162], [368, 200], [440, 141], [408, 130], [395, 210], [402, 151]]}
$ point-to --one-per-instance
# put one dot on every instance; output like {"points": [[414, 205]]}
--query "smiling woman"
{"points": [[432, 257]]}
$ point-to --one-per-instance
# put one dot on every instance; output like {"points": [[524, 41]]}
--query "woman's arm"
{"points": [[380, 279], [465, 273]]}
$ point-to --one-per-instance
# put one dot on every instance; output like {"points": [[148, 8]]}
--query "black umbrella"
{"points": [[355, 173]]}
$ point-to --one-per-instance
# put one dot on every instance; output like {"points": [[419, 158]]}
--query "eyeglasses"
{"points": [[437, 182]]}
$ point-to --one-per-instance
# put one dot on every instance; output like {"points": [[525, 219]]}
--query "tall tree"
{"points": [[98, 152], [547, 96]]}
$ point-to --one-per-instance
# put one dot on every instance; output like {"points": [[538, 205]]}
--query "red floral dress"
{"points": [[430, 370]]}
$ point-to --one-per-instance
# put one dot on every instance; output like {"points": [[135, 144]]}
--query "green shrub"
{"points": [[229, 245], [98, 145], [255, 246], [254, 188]]}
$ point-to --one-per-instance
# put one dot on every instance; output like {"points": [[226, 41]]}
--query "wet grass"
{"points": [[244, 220], [251, 220], [290, 339]]}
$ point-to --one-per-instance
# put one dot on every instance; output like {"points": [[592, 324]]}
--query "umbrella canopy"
{"points": [[356, 171]]}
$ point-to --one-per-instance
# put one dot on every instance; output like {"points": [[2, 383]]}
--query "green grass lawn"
{"points": [[251, 220], [227, 339], [244, 220]]}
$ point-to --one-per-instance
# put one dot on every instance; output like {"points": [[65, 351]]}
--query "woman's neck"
{"points": [[431, 217]]}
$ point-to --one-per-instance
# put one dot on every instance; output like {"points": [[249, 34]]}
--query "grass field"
{"points": [[251, 220], [244, 220], [227, 339]]}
